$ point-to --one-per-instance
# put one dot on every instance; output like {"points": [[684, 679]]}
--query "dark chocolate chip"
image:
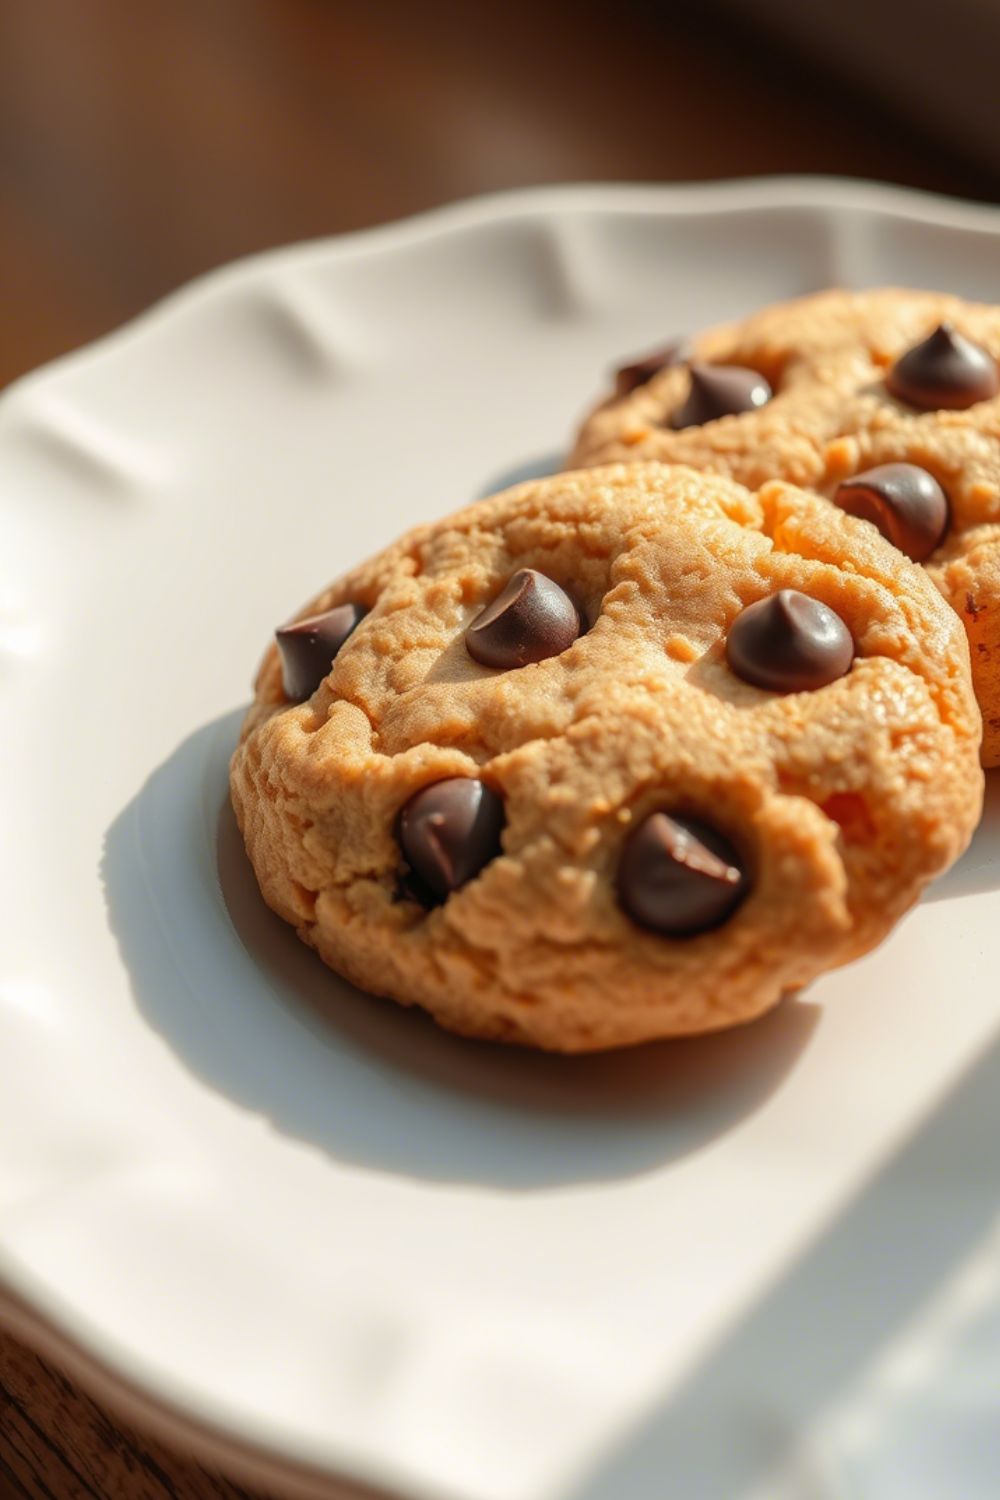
{"points": [[307, 648], [449, 831], [641, 371], [530, 619], [946, 370], [905, 502], [721, 391], [789, 643], [679, 876]]}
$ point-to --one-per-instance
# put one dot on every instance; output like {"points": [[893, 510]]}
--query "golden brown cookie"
{"points": [[533, 786], [828, 388]]}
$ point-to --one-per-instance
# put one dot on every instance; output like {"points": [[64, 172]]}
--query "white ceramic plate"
{"points": [[344, 1238]]}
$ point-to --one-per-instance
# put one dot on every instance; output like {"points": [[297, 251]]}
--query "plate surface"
{"points": [[764, 1263]]}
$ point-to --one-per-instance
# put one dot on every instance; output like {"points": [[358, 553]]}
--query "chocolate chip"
{"points": [[906, 503], [641, 371], [789, 643], [449, 831], [946, 370], [721, 391], [529, 620], [307, 648], [679, 876]]}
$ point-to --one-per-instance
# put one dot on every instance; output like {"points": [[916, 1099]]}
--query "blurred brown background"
{"points": [[142, 143]]}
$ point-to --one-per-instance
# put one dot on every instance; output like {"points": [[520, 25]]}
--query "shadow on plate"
{"points": [[979, 868], [812, 1335], [529, 468], [255, 1014]]}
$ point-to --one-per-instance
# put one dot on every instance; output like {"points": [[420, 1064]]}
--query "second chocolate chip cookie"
{"points": [[886, 403]]}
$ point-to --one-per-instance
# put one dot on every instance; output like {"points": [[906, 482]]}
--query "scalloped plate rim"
{"points": [[668, 199]]}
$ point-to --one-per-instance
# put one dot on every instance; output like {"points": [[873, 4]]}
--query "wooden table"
{"points": [[142, 144], [56, 1444]]}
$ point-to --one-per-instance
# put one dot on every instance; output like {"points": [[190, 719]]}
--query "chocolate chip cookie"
{"points": [[621, 754], [886, 403]]}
